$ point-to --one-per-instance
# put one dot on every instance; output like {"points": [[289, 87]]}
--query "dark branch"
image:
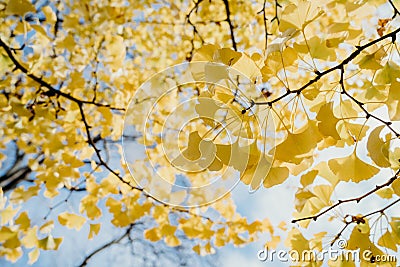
{"points": [[87, 127], [337, 67], [46, 85], [231, 28], [265, 23], [382, 210], [15, 175], [116, 174], [361, 105], [276, 12], [395, 10], [11, 181], [106, 245], [360, 219], [356, 199]]}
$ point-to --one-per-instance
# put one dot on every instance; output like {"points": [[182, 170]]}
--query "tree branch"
{"points": [[340, 66], [382, 210], [87, 127], [116, 174], [228, 19], [106, 245], [265, 24], [276, 12], [360, 219], [195, 31], [361, 105], [395, 10], [46, 85], [356, 199], [14, 175]]}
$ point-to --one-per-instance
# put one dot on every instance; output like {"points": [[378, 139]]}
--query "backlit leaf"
{"points": [[71, 220], [352, 168]]}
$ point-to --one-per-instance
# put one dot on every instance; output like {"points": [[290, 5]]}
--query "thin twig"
{"points": [[340, 66], [395, 10], [45, 84], [356, 199], [106, 245]]}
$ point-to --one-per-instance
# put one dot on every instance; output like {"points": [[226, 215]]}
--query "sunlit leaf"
{"points": [[352, 168], [71, 220]]}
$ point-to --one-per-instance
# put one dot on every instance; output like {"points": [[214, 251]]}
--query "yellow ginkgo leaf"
{"points": [[378, 152], [327, 121], [116, 50], [89, 206], [276, 175], [387, 74], [274, 242], [216, 165], [49, 243], [215, 72], [308, 178], [386, 192], [178, 196], [71, 220], [94, 230], [325, 172], [192, 152], [317, 241], [257, 173], [395, 225], [296, 240], [396, 186], [6, 233], [12, 241], [351, 168], [23, 220], [172, 241], [317, 48], [13, 254], [387, 241], [19, 7], [220, 238], [152, 234], [371, 61], [233, 155], [227, 56], [33, 256], [299, 16], [199, 154], [41, 31], [168, 230], [335, 39], [393, 101], [197, 249], [7, 214], [207, 107], [278, 44], [30, 239], [205, 53], [323, 193], [297, 145], [208, 152], [47, 227], [351, 132]]}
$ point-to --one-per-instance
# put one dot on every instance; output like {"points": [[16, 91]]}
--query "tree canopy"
{"points": [[155, 110]]}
